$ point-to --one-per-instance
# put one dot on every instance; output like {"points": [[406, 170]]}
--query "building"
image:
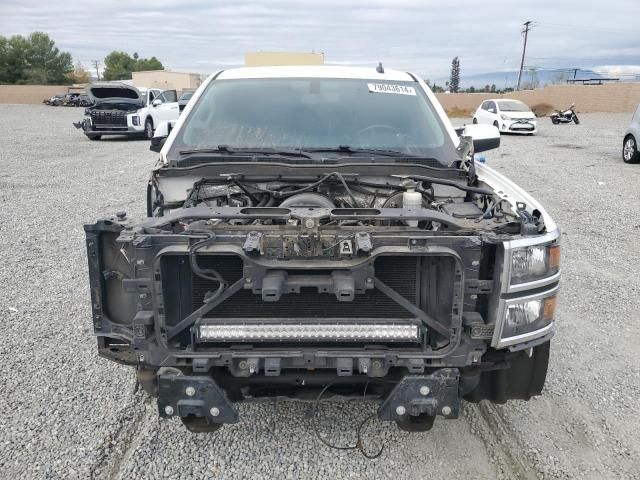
{"points": [[266, 59], [166, 80]]}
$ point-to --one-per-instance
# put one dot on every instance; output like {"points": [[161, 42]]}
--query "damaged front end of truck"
{"points": [[247, 292], [326, 272]]}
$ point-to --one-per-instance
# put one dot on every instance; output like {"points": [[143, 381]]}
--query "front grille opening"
{"points": [[424, 281]]}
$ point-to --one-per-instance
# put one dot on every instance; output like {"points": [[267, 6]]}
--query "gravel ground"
{"points": [[68, 414]]}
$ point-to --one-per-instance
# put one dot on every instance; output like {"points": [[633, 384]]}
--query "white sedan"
{"points": [[510, 116]]}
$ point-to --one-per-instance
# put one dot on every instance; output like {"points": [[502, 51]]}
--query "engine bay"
{"points": [[367, 198]]}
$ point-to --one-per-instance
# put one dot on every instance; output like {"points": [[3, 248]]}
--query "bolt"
{"points": [[140, 262], [376, 364], [215, 411], [143, 296], [242, 365], [424, 390], [168, 410], [475, 263], [400, 410], [141, 358], [446, 410], [190, 391], [247, 280], [369, 280], [309, 223], [414, 241], [474, 296]]}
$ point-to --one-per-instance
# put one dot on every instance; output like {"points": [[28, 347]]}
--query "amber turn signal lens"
{"points": [[554, 258], [549, 309]]}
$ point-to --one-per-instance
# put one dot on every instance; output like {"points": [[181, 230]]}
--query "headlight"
{"points": [[533, 263], [529, 315], [504, 117]]}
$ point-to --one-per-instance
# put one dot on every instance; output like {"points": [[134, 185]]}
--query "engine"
{"points": [[334, 191]]}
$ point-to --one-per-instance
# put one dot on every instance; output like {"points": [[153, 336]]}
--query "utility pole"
{"points": [[527, 27], [96, 64]]}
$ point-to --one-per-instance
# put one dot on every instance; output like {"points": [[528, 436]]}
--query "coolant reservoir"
{"points": [[412, 200]]}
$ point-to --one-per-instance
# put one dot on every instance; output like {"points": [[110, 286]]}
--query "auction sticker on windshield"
{"points": [[390, 88]]}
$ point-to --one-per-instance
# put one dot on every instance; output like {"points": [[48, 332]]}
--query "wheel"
{"points": [[148, 128], [421, 423], [630, 150], [555, 120], [475, 120], [200, 424], [575, 119], [95, 137]]}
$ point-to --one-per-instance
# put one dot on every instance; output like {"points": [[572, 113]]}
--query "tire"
{"points": [[421, 423], [200, 424], [95, 137], [475, 121], [575, 119], [630, 152], [555, 120], [148, 128]]}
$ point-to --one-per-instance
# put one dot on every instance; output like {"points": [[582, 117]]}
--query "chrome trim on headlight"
{"points": [[499, 342], [511, 245]]}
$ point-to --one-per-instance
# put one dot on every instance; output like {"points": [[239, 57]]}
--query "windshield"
{"points": [[312, 113], [512, 106], [186, 96]]}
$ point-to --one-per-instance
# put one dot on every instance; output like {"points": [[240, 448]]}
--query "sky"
{"points": [[418, 35]]}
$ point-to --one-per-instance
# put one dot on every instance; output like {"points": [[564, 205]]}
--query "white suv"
{"points": [[121, 109]]}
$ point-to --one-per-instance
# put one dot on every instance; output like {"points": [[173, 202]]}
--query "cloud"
{"points": [[419, 35]]}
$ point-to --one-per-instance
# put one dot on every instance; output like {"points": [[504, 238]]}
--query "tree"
{"points": [[34, 59], [493, 88], [79, 74], [454, 79], [119, 65]]}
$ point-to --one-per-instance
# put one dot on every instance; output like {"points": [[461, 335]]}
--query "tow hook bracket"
{"points": [[434, 394], [182, 395]]}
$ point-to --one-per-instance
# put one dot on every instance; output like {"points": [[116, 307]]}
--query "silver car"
{"points": [[631, 136]]}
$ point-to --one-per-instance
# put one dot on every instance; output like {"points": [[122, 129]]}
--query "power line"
{"points": [[527, 27]]}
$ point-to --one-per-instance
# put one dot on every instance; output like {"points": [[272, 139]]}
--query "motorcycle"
{"points": [[565, 116]]}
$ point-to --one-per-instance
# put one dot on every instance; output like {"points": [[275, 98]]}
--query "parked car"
{"points": [[184, 99], [323, 231], [71, 99], [630, 152], [84, 100], [508, 116], [55, 101], [121, 109]]}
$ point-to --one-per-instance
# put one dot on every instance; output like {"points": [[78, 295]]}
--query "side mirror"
{"points": [[156, 102], [492, 110], [157, 143], [160, 136], [485, 137]]}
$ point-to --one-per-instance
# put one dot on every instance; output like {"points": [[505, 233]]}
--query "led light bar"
{"points": [[340, 332]]}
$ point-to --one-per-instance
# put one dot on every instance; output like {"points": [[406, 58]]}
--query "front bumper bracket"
{"points": [[182, 395], [434, 394]]}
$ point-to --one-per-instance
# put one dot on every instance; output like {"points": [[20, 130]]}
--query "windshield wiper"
{"points": [[363, 151], [226, 149]]}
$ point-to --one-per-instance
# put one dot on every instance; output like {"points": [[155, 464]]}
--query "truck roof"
{"points": [[315, 71]]}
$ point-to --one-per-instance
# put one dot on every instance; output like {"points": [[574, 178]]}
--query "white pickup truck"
{"points": [[122, 109]]}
